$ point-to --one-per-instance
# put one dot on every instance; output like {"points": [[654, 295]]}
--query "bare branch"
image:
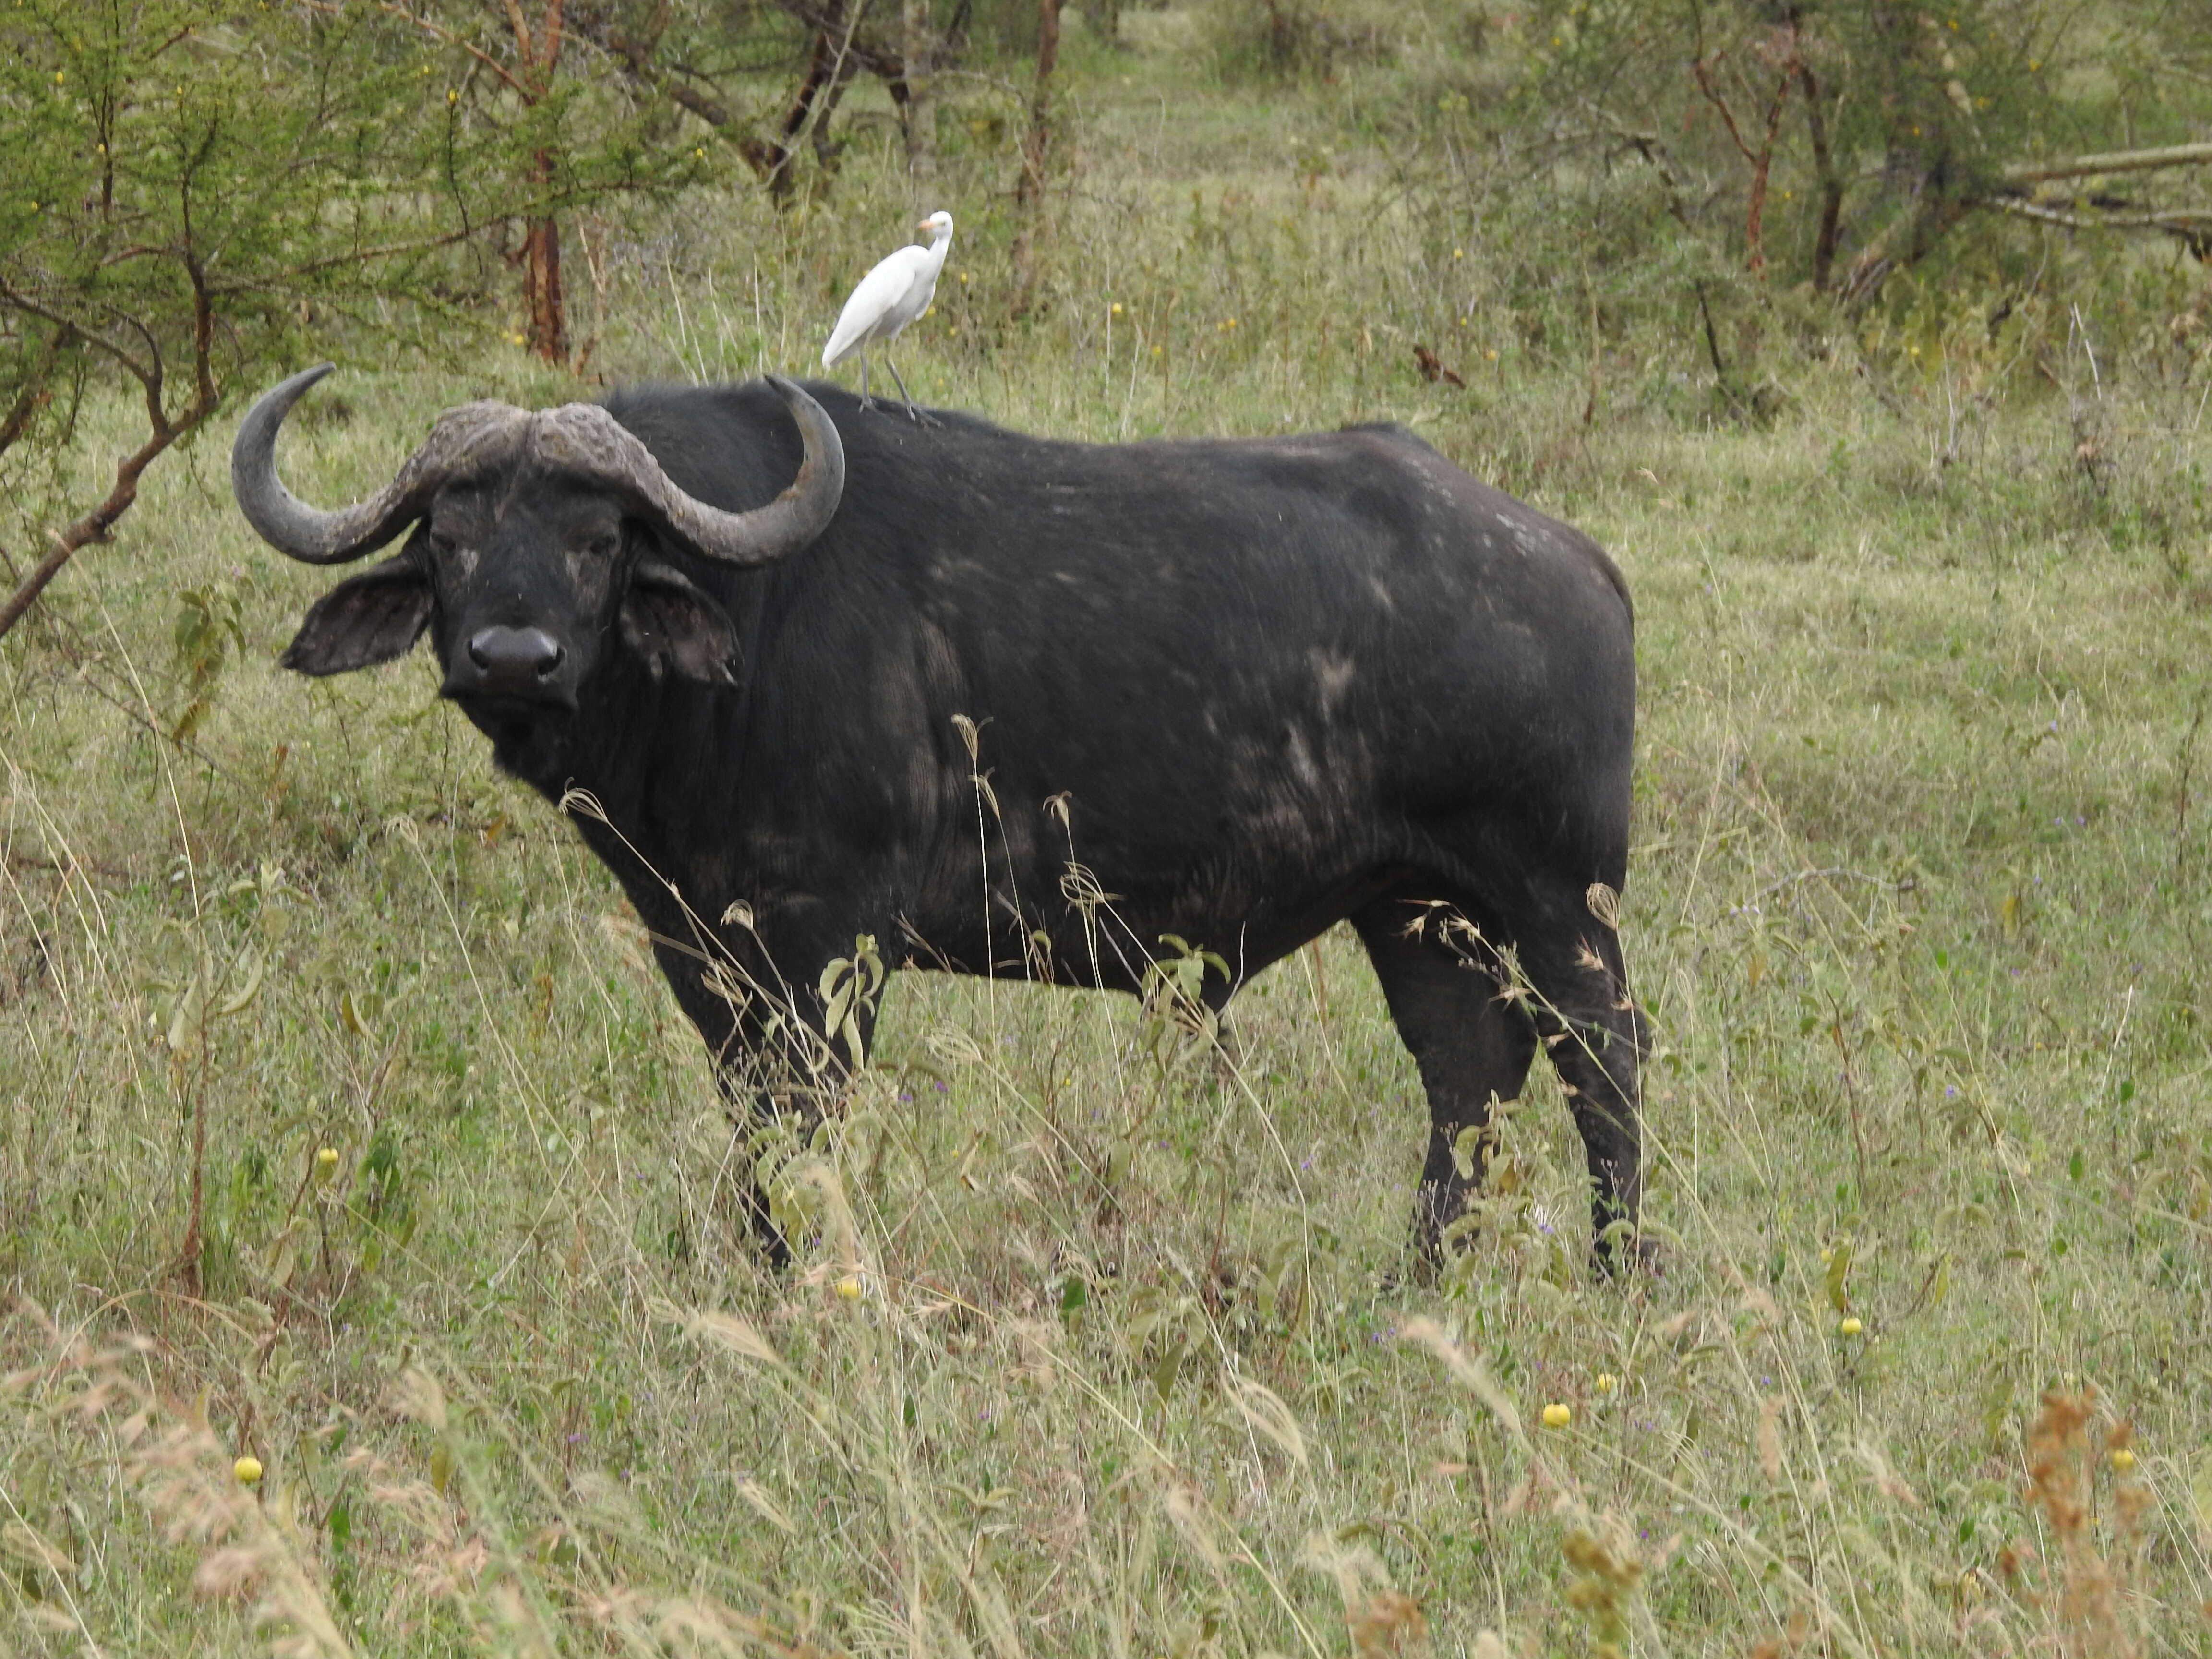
{"points": [[439, 33], [33, 395], [16, 298]]}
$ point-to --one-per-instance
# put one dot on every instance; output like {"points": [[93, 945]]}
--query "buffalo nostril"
{"points": [[510, 656]]}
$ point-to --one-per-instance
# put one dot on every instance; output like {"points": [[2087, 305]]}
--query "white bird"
{"points": [[889, 297]]}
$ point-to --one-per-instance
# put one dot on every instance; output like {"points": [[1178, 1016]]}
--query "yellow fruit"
{"points": [[2123, 1460], [326, 1163], [1558, 1415], [1851, 1327], [248, 1471]]}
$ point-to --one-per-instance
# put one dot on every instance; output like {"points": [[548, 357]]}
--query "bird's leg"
{"points": [[921, 417], [866, 402]]}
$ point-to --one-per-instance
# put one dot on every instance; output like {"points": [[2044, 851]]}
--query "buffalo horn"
{"points": [[583, 439], [463, 437]]}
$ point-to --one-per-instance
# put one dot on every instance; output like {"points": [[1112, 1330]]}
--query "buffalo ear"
{"points": [[673, 624], [376, 616]]}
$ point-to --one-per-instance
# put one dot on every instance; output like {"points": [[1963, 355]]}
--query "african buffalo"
{"points": [[1246, 688]]}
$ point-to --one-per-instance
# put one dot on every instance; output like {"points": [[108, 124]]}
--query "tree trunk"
{"points": [[920, 107], [1036, 147], [1831, 184], [541, 279], [1762, 166]]}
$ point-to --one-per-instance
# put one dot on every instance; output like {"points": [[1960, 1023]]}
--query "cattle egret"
{"points": [[889, 297]]}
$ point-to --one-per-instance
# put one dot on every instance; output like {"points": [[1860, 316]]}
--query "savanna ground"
{"points": [[1102, 1346]]}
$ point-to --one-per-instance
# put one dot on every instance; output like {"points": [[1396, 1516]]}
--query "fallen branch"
{"points": [[2182, 222], [2120, 161]]}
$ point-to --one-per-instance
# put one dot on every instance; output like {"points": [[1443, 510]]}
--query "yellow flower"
{"points": [[1559, 1415], [1459, 253], [1852, 1325], [2123, 1459], [248, 1471], [1606, 1382], [1231, 323], [326, 1163], [1117, 307], [849, 1287]]}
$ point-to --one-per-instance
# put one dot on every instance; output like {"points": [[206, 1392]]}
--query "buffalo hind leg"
{"points": [[1473, 1046], [1578, 979]]}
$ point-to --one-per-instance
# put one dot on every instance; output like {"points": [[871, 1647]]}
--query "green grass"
{"points": [[1918, 908]]}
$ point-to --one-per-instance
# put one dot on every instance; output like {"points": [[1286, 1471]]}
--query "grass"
{"points": [[1100, 1349]]}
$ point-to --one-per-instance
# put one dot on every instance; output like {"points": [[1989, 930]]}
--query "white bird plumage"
{"points": [[894, 294]]}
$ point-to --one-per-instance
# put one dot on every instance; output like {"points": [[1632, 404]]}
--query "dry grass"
{"points": [[1097, 1350]]}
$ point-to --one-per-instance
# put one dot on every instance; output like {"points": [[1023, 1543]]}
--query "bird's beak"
{"points": [[925, 225]]}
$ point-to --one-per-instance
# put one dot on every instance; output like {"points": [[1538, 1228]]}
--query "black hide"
{"points": [[1254, 687]]}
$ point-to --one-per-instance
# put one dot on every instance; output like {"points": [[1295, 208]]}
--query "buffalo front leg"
{"points": [[774, 1064], [1473, 1046]]}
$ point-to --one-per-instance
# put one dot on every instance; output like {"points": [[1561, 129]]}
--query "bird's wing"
{"points": [[876, 299]]}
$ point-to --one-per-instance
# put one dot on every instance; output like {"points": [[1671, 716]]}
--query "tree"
{"points": [[1876, 126], [1036, 154], [921, 107], [546, 125], [184, 194], [677, 52]]}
